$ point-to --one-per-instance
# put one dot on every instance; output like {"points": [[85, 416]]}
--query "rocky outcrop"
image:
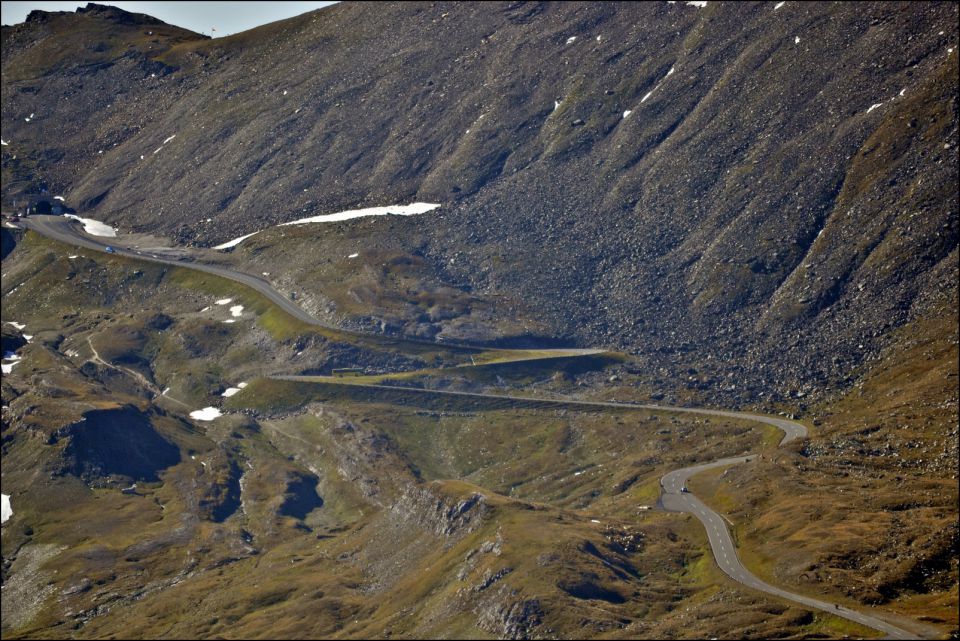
{"points": [[366, 458], [510, 616], [219, 485], [425, 507]]}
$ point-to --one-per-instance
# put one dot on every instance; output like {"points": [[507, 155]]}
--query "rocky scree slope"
{"points": [[760, 191]]}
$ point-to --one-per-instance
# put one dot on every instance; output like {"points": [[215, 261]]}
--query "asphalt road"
{"points": [[673, 497], [68, 231]]}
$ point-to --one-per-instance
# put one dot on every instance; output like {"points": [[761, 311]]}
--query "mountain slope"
{"points": [[782, 191], [756, 202]]}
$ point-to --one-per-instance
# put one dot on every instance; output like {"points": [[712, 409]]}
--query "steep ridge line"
{"points": [[673, 498]]}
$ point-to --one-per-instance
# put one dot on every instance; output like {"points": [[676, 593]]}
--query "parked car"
{"points": [[110, 250]]}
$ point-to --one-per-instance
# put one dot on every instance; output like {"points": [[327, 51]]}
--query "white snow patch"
{"points": [[872, 107], [242, 385], [230, 320], [779, 4], [396, 210], [168, 139], [3, 142], [224, 301], [230, 391], [95, 227], [698, 3], [627, 113], [571, 40], [598, 38], [206, 414], [164, 392], [28, 337], [74, 256], [6, 510], [19, 326], [236, 311], [9, 360], [60, 198], [204, 309], [235, 241], [796, 40], [556, 105], [284, 92], [903, 91], [644, 99], [595, 520], [353, 255], [670, 73]]}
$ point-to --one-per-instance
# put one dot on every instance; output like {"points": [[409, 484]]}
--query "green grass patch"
{"points": [[277, 323], [832, 626]]}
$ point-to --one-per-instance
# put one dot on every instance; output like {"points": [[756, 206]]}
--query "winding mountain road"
{"points": [[674, 496], [67, 231]]}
